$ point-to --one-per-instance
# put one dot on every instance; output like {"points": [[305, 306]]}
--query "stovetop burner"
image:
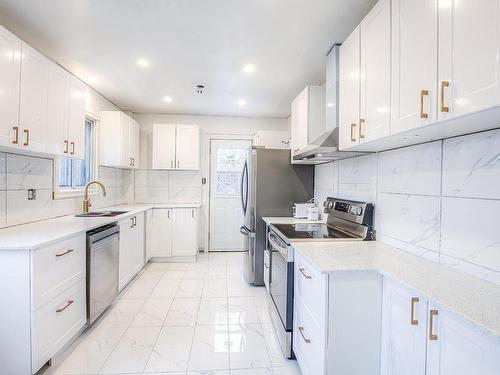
{"points": [[311, 231]]}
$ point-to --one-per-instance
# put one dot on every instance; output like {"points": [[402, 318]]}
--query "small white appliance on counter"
{"points": [[300, 210], [312, 212]]}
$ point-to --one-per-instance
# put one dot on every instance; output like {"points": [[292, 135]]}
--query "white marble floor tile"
{"points": [[173, 275], [238, 287], [197, 266], [132, 352], [209, 372], [213, 311], [216, 271], [291, 369], [273, 346], [195, 274], [121, 313], [171, 351], [262, 304], [141, 288], [215, 288], [153, 313], [184, 311], [159, 266], [247, 346], [234, 271], [235, 258], [210, 349], [242, 310], [177, 266], [253, 371], [190, 288], [91, 351], [217, 258], [165, 288]]}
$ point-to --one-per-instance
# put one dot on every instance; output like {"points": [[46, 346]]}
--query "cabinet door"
{"points": [[331, 89], [162, 233], [349, 91], [184, 232], [188, 147], [57, 116], [10, 70], [469, 50], [404, 324], [299, 121], [414, 64], [76, 118], [33, 105], [126, 152], [458, 348], [126, 252], [375, 102], [134, 142], [163, 146], [138, 251]]}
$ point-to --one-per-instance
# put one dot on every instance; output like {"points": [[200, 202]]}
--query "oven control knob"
{"points": [[356, 210]]}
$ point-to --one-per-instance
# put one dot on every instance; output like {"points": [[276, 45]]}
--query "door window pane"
{"points": [[230, 162]]}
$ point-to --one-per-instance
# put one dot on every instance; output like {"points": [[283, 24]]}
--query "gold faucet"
{"points": [[86, 199]]}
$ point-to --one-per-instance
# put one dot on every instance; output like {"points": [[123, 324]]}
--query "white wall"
{"points": [[439, 200]]}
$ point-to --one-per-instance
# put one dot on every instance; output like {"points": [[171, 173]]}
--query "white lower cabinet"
{"points": [[422, 338], [175, 232], [131, 250]]}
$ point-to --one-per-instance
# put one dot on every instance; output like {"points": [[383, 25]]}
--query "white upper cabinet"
{"points": [[349, 65], [187, 144], [164, 146], [119, 140], [414, 64], [76, 117], [469, 63], [375, 78], [307, 118], [10, 68], [456, 348], [33, 100], [176, 147], [66, 114]]}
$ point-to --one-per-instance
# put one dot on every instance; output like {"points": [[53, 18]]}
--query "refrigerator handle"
{"points": [[243, 203]]}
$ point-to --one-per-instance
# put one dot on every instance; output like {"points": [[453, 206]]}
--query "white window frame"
{"points": [[78, 192]]}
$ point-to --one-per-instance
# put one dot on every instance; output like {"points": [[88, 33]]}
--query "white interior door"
{"points": [[227, 158]]}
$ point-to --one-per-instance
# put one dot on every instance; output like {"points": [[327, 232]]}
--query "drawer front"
{"points": [[310, 286], [309, 340], [66, 262], [56, 323]]}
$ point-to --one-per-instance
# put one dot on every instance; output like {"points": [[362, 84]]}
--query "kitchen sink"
{"points": [[102, 214]]}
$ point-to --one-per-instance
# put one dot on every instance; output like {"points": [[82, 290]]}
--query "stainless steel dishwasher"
{"points": [[102, 269]]}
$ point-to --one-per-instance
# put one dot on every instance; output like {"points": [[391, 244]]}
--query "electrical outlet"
{"points": [[31, 194]]}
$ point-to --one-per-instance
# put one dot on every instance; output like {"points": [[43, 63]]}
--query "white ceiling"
{"points": [[188, 42]]}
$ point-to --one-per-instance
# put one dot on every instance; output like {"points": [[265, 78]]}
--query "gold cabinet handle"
{"points": [[413, 321], [27, 132], [16, 135], [432, 314], [302, 271], [301, 330], [66, 146], [353, 128], [423, 94], [444, 84], [72, 148], [65, 253], [361, 128], [61, 309]]}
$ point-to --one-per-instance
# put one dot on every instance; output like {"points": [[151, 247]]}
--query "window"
{"points": [[230, 162], [74, 173]]}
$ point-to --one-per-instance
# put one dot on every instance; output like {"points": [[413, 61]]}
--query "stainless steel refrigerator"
{"points": [[270, 185]]}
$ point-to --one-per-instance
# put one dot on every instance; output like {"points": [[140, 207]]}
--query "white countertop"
{"points": [[474, 299], [42, 233], [288, 220]]}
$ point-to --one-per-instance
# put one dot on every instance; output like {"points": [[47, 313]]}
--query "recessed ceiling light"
{"points": [[167, 99], [242, 102], [143, 63], [249, 69]]}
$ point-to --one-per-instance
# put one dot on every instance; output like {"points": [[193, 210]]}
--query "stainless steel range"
{"points": [[347, 221]]}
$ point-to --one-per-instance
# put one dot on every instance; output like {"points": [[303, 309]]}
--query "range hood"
{"points": [[326, 149]]}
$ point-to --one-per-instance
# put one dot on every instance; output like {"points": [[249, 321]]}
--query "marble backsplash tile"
{"points": [[438, 200]]}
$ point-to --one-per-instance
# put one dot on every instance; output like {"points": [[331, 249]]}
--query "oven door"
{"points": [[281, 280]]}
